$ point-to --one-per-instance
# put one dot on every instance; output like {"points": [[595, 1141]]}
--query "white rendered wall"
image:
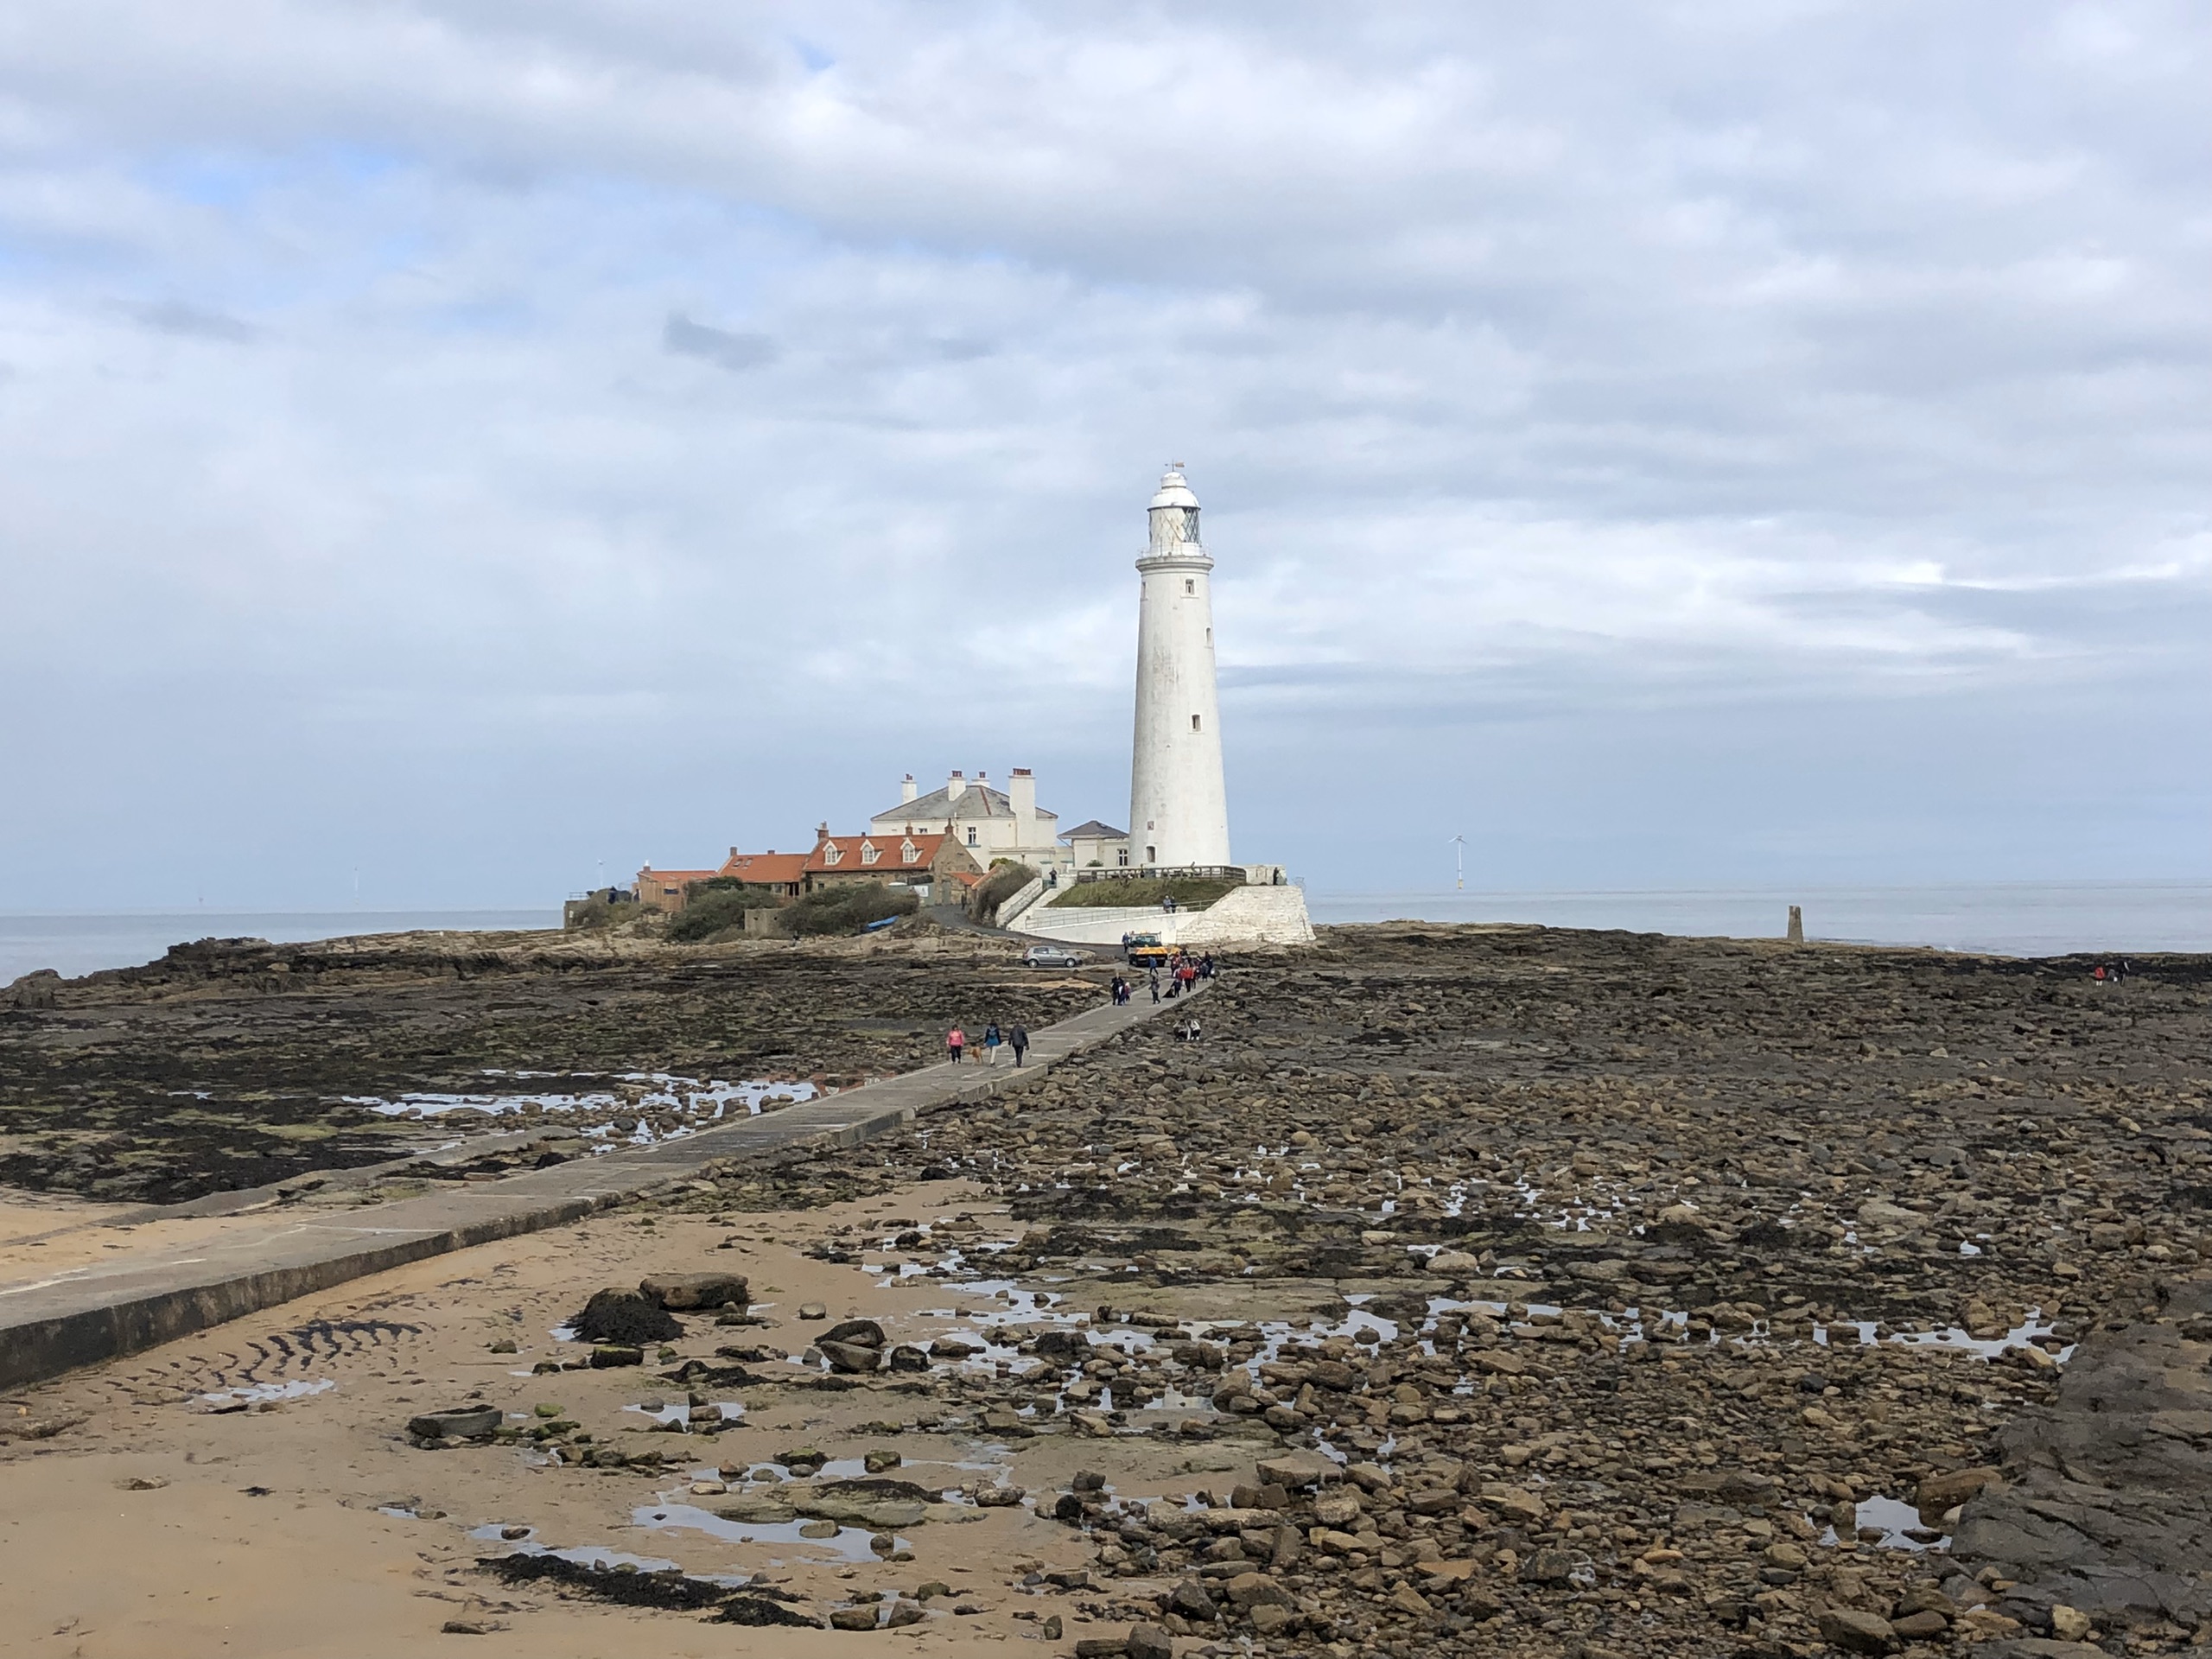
{"points": [[1242, 916], [1088, 924], [1179, 804]]}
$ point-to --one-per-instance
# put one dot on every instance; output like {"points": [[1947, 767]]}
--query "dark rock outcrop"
{"points": [[625, 1318], [2108, 1504]]}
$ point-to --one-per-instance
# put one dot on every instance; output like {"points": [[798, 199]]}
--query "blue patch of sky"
{"points": [[815, 58], [511, 314], [231, 179], [717, 260]]}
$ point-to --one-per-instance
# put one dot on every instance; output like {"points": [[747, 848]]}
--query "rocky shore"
{"points": [[1457, 1290], [235, 1063]]}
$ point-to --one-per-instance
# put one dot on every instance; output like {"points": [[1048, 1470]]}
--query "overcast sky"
{"points": [[488, 444]]}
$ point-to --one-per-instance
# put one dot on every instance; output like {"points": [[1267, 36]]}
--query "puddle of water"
{"points": [[850, 1544], [259, 1392], [1958, 1341], [594, 1556], [1895, 1518], [698, 1100], [910, 1269]]}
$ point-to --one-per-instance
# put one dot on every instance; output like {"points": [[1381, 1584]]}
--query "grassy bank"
{"points": [[1191, 893]]}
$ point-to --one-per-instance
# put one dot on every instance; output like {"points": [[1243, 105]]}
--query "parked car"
{"points": [[1051, 956]]}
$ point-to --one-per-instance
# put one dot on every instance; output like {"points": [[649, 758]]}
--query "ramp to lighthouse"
{"points": [[1256, 914]]}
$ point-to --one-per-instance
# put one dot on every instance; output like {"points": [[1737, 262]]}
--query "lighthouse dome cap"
{"points": [[1174, 491]]}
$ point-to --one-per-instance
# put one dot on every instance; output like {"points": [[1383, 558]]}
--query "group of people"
{"points": [[1182, 970], [1015, 1037], [2111, 973]]}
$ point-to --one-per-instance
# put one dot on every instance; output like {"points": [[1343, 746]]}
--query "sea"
{"points": [[2019, 918], [2004, 919]]}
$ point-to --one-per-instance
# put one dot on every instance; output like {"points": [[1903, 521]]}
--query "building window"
{"points": [[971, 835], [1190, 585], [907, 853], [1194, 722], [1152, 854], [1121, 857], [831, 854], [869, 854]]}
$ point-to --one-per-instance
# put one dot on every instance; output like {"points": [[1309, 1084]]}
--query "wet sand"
{"points": [[266, 1534]]}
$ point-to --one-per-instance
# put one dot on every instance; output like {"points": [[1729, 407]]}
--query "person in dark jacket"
{"points": [[1017, 1039]]}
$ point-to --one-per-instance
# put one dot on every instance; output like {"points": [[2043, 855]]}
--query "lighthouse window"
{"points": [[1190, 585], [1194, 722]]}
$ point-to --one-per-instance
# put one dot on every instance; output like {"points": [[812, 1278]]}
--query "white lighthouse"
{"points": [[1179, 805]]}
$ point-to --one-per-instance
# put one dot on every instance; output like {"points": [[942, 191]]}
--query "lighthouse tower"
{"points": [[1178, 806]]}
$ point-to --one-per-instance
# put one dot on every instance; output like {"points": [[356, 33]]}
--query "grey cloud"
{"points": [[192, 322], [723, 347], [963, 351]]}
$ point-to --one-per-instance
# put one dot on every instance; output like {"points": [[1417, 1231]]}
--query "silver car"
{"points": [[1051, 956]]}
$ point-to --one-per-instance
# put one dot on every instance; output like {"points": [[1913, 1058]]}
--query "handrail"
{"points": [[1163, 872]]}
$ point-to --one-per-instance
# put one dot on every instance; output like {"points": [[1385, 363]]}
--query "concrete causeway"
{"points": [[220, 1267]]}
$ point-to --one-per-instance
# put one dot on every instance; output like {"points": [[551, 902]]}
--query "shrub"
{"points": [[1191, 893], [601, 911], [848, 909], [1007, 878], [716, 905]]}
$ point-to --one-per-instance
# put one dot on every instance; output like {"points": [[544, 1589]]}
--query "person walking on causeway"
{"points": [[991, 1042], [1017, 1039], [955, 1041]]}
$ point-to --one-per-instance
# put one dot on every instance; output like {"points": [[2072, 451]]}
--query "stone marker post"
{"points": [[1796, 924]]}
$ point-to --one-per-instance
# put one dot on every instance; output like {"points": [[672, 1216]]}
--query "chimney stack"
{"points": [[1021, 792], [906, 790], [956, 786]]}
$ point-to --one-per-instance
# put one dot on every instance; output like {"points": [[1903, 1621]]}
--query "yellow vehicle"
{"points": [[1144, 950]]}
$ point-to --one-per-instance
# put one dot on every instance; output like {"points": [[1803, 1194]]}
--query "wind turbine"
{"points": [[1460, 856]]}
